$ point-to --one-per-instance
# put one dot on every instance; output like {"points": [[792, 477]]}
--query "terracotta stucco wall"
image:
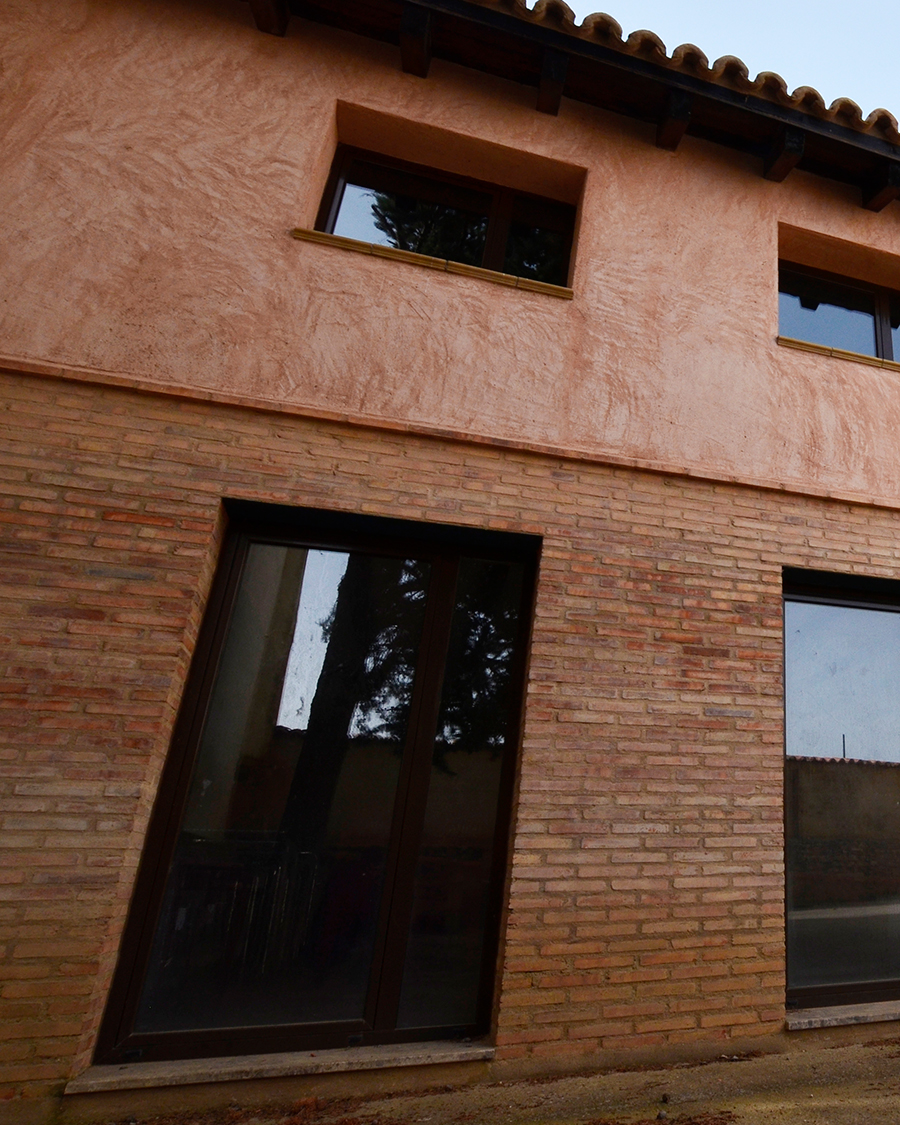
{"points": [[156, 154]]}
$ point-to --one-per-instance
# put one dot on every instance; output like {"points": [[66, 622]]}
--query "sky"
{"points": [[840, 49]]}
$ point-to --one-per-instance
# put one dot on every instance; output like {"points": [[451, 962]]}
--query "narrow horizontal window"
{"points": [[408, 207], [822, 309]]}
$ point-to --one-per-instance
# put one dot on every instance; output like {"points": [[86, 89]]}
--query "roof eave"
{"points": [[502, 38]]}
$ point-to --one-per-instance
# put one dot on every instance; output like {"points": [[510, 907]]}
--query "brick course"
{"points": [[646, 885]]}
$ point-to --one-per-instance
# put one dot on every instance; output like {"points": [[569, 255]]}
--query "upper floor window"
{"points": [[409, 207], [836, 313]]}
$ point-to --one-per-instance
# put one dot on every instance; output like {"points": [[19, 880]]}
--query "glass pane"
{"points": [[843, 872], [895, 325], [826, 312], [413, 213], [272, 897], [537, 253], [842, 682], [450, 909], [842, 794]]}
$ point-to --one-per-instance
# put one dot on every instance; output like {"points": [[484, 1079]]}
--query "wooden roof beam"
{"points": [[415, 40], [785, 154], [271, 16], [674, 120], [883, 188], [554, 66]]}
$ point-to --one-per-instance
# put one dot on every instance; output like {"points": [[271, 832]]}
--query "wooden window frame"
{"points": [[881, 296], [251, 522], [562, 215]]}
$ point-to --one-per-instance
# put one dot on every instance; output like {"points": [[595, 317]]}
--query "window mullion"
{"points": [[883, 325], [498, 230]]}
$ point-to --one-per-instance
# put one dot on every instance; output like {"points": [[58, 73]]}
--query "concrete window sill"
{"points": [[843, 1015], [442, 264], [186, 1072], [837, 353]]}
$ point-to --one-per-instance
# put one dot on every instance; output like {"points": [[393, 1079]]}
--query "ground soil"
{"points": [[857, 1084]]}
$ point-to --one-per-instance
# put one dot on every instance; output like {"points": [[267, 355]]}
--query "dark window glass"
{"points": [[842, 801], [415, 209], [444, 956], [894, 306], [326, 857], [826, 312], [540, 234], [536, 253], [272, 898], [391, 208]]}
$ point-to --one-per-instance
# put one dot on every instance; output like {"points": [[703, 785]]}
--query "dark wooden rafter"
{"points": [[415, 40], [785, 154], [271, 15], [493, 39], [883, 188], [554, 66], [674, 120]]}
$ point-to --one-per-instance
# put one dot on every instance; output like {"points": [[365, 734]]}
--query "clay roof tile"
{"points": [[689, 59], [603, 27], [733, 71], [554, 13], [881, 121], [847, 112], [809, 100], [647, 45], [772, 86]]}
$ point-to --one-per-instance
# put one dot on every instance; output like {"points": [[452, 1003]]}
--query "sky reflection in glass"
{"points": [[842, 682]]}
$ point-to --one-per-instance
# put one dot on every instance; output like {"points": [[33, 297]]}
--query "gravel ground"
{"points": [[824, 1085]]}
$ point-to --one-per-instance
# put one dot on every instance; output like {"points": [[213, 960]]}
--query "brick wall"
{"points": [[646, 891]]}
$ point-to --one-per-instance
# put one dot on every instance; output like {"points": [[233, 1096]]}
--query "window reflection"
{"points": [[842, 801], [535, 252], [451, 896], [842, 682], [419, 225], [423, 211], [272, 897], [826, 312]]}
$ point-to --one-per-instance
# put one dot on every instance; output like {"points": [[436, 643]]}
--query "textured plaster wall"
{"points": [[155, 154]]}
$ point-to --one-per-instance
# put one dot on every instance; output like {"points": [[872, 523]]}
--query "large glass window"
{"points": [[408, 207], [329, 847], [842, 790]]}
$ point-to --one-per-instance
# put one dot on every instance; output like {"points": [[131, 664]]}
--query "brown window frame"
{"points": [[880, 294], [251, 522], [556, 214], [851, 592]]}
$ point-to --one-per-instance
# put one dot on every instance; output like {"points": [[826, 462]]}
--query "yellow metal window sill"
{"points": [[837, 353], [443, 264]]}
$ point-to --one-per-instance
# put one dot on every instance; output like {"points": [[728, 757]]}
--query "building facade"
{"points": [[437, 442]]}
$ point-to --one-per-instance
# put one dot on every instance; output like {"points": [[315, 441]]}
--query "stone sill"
{"points": [[186, 1072], [837, 353], [842, 1015], [442, 264]]}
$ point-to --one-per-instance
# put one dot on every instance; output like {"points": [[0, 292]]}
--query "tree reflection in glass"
{"points": [[272, 897]]}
